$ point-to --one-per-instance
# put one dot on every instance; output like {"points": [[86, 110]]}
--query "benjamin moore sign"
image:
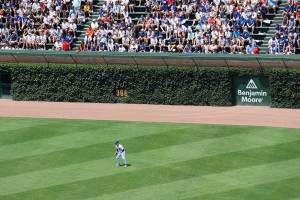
{"points": [[252, 90]]}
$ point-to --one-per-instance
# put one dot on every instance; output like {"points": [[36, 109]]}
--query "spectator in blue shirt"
{"points": [[236, 15], [242, 22], [165, 7], [291, 22], [273, 4], [287, 9], [236, 33], [101, 13], [246, 35], [174, 7], [249, 49], [277, 28], [282, 44], [250, 24]]}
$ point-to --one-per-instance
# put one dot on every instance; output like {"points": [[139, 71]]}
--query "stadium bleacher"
{"points": [[41, 24], [188, 26], [260, 35]]}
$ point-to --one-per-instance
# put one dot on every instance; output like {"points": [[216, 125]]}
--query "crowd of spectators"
{"points": [[206, 26], [200, 26], [286, 39], [41, 24]]}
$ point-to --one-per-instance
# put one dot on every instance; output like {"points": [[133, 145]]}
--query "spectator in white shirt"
{"points": [[94, 24]]}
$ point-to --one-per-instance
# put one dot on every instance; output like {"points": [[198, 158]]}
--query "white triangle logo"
{"points": [[251, 85]]}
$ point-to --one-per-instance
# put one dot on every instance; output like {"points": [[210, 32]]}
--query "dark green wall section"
{"points": [[5, 82]]}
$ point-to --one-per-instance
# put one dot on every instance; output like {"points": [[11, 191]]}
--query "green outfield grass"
{"points": [[47, 159]]}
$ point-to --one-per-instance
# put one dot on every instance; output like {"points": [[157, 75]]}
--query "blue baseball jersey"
{"points": [[120, 148]]}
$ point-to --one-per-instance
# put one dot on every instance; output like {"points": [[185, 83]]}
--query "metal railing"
{"points": [[155, 59]]}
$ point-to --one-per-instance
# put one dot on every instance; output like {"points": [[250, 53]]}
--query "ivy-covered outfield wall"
{"points": [[150, 85], [123, 84], [285, 88]]}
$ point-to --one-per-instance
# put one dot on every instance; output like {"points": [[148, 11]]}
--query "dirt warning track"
{"points": [[238, 115]]}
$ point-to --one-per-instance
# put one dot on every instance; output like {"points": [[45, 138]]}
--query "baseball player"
{"points": [[120, 153]]}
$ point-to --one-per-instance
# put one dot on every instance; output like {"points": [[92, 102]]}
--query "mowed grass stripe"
{"points": [[12, 124], [152, 158], [213, 183], [105, 150], [79, 139], [34, 129], [164, 174], [286, 189], [43, 130]]}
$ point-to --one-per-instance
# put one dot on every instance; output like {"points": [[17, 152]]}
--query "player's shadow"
{"points": [[128, 165]]}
